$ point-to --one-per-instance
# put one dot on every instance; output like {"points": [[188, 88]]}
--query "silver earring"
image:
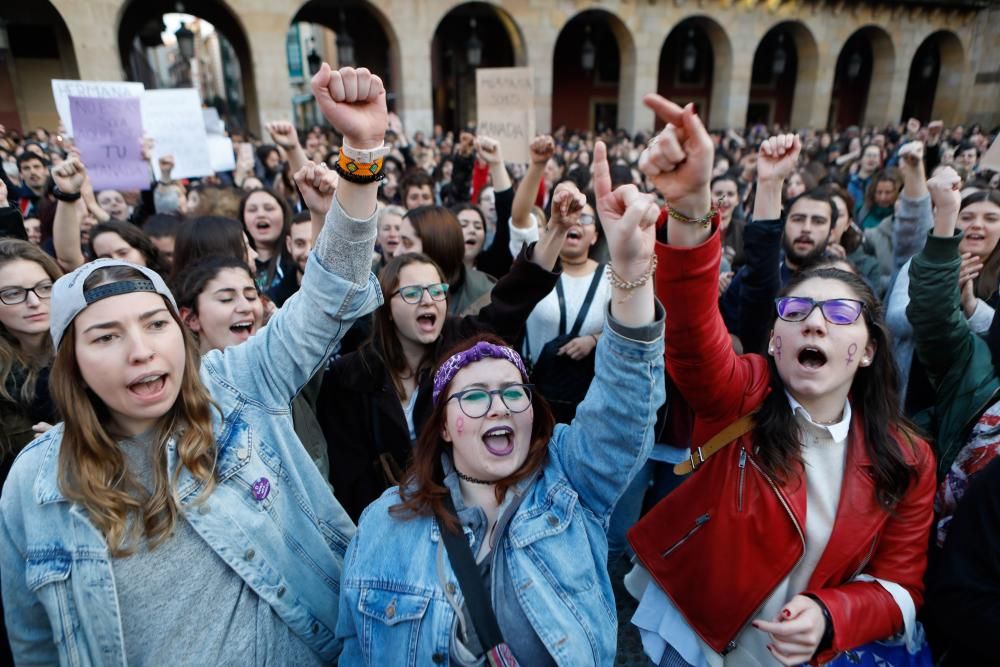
{"points": [[770, 351]]}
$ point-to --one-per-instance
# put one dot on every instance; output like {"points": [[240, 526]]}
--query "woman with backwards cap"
{"points": [[175, 501]]}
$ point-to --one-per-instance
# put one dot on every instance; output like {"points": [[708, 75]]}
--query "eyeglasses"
{"points": [[835, 311], [586, 219], [477, 402], [413, 293], [15, 295]]}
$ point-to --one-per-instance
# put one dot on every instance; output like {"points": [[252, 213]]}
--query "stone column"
{"points": [[268, 98], [94, 28], [414, 93], [638, 78]]}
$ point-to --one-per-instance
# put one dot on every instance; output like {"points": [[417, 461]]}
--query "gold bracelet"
{"points": [[704, 220], [630, 285]]}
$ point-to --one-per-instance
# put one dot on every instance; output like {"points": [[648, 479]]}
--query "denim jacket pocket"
{"points": [[391, 625], [556, 542], [48, 576]]}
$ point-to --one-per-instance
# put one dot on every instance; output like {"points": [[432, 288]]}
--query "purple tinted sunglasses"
{"points": [[835, 311]]}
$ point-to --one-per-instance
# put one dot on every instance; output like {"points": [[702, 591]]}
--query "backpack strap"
{"points": [[733, 432], [585, 307]]}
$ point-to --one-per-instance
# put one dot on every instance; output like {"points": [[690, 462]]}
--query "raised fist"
{"points": [[353, 100], [488, 150], [283, 133], [70, 175], [911, 155], [945, 189], [317, 184], [542, 148], [678, 161], [778, 157]]}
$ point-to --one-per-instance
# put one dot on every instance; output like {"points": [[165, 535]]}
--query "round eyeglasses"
{"points": [[413, 293], [835, 311], [15, 295], [476, 402]]}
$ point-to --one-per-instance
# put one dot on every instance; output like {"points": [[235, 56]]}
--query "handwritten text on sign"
{"points": [[505, 100], [62, 89], [109, 137]]}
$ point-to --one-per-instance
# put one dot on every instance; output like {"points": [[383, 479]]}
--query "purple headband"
{"points": [[480, 350]]}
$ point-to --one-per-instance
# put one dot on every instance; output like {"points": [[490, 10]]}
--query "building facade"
{"points": [[799, 63]]}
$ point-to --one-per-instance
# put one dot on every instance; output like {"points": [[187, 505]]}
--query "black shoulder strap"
{"points": [[585, 308], [562, 306], [467, 573]]}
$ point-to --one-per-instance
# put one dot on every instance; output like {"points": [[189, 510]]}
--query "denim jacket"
{"points": [[394, 607], [272, 518]]}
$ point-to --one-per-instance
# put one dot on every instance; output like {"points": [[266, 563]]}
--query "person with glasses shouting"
{"points": [[802, 532], [495, 547], [374, 401]]}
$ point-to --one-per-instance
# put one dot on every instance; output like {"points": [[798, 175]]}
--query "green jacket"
{"points": [[958, 362]]}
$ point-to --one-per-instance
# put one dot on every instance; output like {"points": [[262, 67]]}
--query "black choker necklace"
{"points": [[472, 480]]}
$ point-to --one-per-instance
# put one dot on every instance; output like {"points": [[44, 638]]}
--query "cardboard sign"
{"points": [[220, 153], [213, 124], [991, 158], [62, 89], [109, 138], [505, 100], [174, 119]]}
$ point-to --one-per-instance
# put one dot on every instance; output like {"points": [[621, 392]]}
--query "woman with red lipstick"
{"points": [[803, 531]]}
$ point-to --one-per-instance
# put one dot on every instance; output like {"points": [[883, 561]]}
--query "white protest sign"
{"points": [[173, 118], [991, 158], [213, 124], [220, 153], [505, 100], [62, 89]]}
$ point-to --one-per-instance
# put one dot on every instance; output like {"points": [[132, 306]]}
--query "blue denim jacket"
{"points": [[58, 588], [393, 606]]}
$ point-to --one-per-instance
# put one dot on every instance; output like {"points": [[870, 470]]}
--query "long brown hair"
{"points": [[92, 467], [986, 283], [384, 342], [873, 390], [423, 491], [13, 359], [441, 235]]}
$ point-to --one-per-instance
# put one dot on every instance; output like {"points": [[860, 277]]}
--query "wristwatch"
{"points": [[365, 156]]}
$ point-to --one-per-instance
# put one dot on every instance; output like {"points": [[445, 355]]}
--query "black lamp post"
{"points": [[473, 47], [854, 65], [928, 67], [588, 53], [690, 60], [780, 57], [185, 41]]}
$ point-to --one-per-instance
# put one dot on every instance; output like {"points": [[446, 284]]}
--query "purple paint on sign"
{"points": [[261, 488]]}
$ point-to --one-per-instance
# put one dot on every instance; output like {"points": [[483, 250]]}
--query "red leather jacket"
{"points": [[721, 542]]}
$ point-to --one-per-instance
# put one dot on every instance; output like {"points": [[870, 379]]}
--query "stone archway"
{"points": [[862, 82], [696, 65], [784, 76], [938, 66]]}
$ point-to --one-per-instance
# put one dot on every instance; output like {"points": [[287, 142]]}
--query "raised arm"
{"points": [[913, 208], [337, 287], [542, 148], [283, 133], [700, 357], [69, 178], [317, 184], [612, 433], [496, 259]]}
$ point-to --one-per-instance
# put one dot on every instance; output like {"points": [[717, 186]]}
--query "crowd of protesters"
{"points": [[379, 398]]}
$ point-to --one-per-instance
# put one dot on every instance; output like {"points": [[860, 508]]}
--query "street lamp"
{"points": [[313, 58], [928, 69], [345, 45], [780, 57], [473, 47], [588, 54], [854, 65], [690, 60], [185, 41]]}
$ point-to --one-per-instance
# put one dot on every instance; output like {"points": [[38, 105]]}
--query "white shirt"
{"points": [[543, 323]]}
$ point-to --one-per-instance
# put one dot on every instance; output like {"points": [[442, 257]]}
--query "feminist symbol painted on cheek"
{"points": [[460, 425], [851, 351], [777, 347]]}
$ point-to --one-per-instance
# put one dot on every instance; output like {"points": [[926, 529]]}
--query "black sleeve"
{"points": [[512, 300], [963, 592], [11, 224], [496, 259], [461, 178], [761, 281], [407, 153], [932, 158]]}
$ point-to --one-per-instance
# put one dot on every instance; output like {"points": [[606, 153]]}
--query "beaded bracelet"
{"points": [[359, 172], [704, 220], [629, 285]]}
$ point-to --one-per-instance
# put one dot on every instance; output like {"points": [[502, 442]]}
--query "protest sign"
{"points": [[173, 118], [991, 158], [109, 138], [62, 89], [220, 153], [505, 101], [213, 124]]}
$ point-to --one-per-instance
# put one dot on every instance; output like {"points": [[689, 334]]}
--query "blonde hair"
{"points": [[92, 468], [12, 357]]}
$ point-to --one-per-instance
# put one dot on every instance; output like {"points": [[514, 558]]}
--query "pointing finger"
{"points": [[664, 109], [602, 172]]}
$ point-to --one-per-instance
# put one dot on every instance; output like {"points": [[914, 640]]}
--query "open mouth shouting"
{"points": [[148, 387], [426, 322], [499, 440], [811, 358], [243, 329]]}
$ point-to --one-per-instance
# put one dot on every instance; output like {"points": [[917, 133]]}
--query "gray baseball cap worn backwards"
{"points": [[69, 298]]}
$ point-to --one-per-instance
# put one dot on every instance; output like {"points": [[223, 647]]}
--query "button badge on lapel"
{"points": [[261, 489]]}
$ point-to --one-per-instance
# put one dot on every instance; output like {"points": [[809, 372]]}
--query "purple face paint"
{"points": [[777, 347], [460, 425], [851, 351], [261, 488]]}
